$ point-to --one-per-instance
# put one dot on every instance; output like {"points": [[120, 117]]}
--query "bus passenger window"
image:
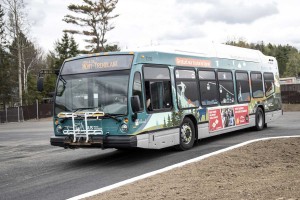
{"points": [[269, 83], [226, 87], [208, 88], [257, 85], [242, 87], [187, 89], [157, 88]]}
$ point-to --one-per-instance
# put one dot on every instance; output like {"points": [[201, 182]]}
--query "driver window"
{"points": [[137, 87], [157, 88]]}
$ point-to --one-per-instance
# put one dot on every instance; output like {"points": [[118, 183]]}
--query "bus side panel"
{"points": [[159, 139]]}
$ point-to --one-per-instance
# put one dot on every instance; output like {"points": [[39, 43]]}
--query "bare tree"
{"points": [[31, 58], [15, 10]]}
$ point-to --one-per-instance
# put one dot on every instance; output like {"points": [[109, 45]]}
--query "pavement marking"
{"points": [[119, 184]]}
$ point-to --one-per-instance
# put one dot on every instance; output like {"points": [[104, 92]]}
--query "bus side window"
{"points": [[137, 87], [226, 87], [157, 88], [242, 87], [257, 85], [269, 83], [187, 88], [208, 87]]}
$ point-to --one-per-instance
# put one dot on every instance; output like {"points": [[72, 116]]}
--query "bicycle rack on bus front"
{"points": [[78, 131]]}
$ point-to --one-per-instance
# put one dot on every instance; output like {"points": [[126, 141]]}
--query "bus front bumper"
{"points": [[96, 141]]}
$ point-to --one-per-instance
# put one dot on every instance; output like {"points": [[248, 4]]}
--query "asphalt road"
{"points": [[32, 169]]}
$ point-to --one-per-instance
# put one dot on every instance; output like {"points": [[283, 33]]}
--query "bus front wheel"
{"points": [[187, 135], [259, 119]]}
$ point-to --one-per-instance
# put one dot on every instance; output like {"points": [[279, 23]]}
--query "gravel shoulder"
{"points": [[262, 170]]}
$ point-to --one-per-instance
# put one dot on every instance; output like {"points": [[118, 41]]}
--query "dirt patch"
{"points": [[291, 107], [263, 170]]}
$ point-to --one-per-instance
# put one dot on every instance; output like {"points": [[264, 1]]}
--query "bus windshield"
{"points": [[104, 91]]}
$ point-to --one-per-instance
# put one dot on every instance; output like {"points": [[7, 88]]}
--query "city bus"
{"points": [[160, 97]]}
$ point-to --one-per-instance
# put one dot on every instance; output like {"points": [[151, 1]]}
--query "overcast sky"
{"points": [[172, 22]]}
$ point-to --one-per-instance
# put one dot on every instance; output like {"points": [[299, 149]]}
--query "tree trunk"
{"points": [[19, 49]]}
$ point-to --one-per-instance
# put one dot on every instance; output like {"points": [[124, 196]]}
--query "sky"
{"points": [[177, 22]]}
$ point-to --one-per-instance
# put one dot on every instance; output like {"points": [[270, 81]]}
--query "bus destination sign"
{"points": [[99, 63], [192, 62], [92, 64]]}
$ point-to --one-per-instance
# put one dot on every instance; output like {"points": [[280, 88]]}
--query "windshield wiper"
{"points": [[89, 108], [112, 117]]}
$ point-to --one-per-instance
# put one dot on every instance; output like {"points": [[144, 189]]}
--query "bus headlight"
{"points": [[59, 129], [124, 128]]}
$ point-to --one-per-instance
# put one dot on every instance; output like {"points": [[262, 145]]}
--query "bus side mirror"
{"points": [[40, 84], [136, 104]]}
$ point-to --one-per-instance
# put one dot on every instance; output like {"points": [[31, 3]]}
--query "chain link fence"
{"points": [[23, 113]]}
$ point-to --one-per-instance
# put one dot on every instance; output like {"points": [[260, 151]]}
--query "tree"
{"points": [[64, 49], [50, 80], [97, 15], [293, 65], [31, 60], [2, 27], [6, 84], [16, 15]]}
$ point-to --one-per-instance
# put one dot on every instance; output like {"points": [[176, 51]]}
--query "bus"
{"points": [[160, 97]]}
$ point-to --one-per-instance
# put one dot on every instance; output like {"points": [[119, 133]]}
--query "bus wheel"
{"points": [[187, 135], [259, 119]]}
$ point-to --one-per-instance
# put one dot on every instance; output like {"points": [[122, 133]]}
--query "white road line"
{"points": [[116, 185]]}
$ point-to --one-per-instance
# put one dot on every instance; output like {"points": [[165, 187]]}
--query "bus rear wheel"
{"points": [[187, 135], [259, 119]]}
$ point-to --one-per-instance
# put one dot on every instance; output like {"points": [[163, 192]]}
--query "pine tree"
{"points": [[63, 49], [66, 48], [94, 18], [7, 84], [73, 47]]}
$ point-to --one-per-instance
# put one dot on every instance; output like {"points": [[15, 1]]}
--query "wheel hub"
{"points": [[186, 133]]}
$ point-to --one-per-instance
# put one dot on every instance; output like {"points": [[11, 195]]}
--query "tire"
{"points": [[186, 135], [259, 119]]}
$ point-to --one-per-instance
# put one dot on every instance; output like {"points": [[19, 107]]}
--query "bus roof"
{"points": [[210, 50]]}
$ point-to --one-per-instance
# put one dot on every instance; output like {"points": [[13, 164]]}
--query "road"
{"points": [[32, 169]]}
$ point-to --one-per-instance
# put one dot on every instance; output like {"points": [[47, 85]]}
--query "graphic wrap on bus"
{"points": [[160, 99], [229, 116]]}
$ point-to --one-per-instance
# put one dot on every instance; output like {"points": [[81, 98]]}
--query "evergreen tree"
{"points": [[293, 65], [64, 49], [7, 85], [73, 47], [50, 79], [94, 17]]}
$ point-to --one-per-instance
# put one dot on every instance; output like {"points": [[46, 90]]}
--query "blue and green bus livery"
{"points": [[158, 98]]}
